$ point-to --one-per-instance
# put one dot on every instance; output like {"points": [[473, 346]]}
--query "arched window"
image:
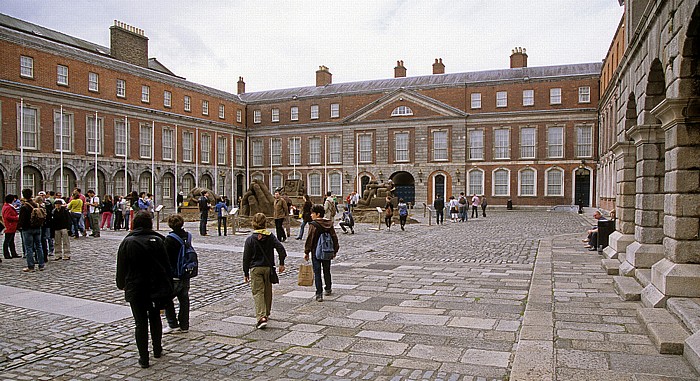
{"points": [[276, 181], [187, 183], [501, 182], [168, 186], [554, 182], [314, 184], [258, 176], [205, 182], [294, 175], [476, 181], [145, 182], [527, 182], [402, 111]]}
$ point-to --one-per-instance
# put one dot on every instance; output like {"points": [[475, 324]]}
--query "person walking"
{"points": [[106, 209], [388, 212], [203, 204], [475, 206], [118, 209], [75, 207], [318, 226], [93, 212], [258, 265], [61, 223], [305, 215], [10, 218], [463, 207], [31, 232], [143, 272], [439, 206], [329, 206], [454, 208], [484, 204], [221, 212], [279, 214], [403, 213], [179, 323]]}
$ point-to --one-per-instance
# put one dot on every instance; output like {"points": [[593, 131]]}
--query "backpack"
{"points": [[38, 217], [463, 201], [187, 265], [403, 210], [324, 248]]}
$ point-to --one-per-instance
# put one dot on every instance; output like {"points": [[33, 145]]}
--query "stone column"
{"points": [[625, 164], [678, 273], [649, 200]]}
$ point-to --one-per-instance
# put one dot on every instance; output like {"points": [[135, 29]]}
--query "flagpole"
{"points": [[63, 191], [270, 164], [175, 149], [126, 155], [196, 158], [234, 200], [21, 144], [216, 163], [97, 186], [357, 164], [325, 163], [153, 159]]}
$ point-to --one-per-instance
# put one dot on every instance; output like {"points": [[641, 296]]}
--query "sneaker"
{"points": [[262, 323], [319, 297], [167, 329], [328, 292], [27, 270]]}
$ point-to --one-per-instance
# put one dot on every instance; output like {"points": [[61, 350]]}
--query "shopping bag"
{"points": [[306, 274]]}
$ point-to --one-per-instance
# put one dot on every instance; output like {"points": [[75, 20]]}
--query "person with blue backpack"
{"points": [[403, 213], [183, 267], [221, 212], [322, 246]]}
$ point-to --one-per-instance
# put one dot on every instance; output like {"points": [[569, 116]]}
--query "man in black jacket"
{"points": [[204, 206], [31, 235], [439, 206], [143, 272], [179, 323]]}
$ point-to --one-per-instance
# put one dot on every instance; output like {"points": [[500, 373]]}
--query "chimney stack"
{"points": [[399, 70], [438, 67], [518, 58], [241, 86], [128, 44], [323, 76]]}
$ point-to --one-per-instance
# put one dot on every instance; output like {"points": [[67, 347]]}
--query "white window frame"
{"points": [[476, 100], [475, 187], [555, 149], [222, 111], [62, 75], [548, 184], [584, 94], [26, 67], [275, 115], [555, 96], [314, 184], [167, 184], [365, 148], [205, 107], [67, 132], [294, 113], [294, 150], [167, 141], [440, 150], [528, 149], [402, 142], [188, 183], [314, 111], [501, 147], [221, 150], [167, 99], [528, 97], [277, 180], [90, 130], [187, 100], [476, 146], [335, 110], [93, 82], [30, 130], [257, 152], [402, 111], [121, 88], [187, 147], [496, 185], [205, 148], [501, 99], [145, 143], [335, 183], [239, 152], [314, 151], [257, 116], [145, 94], [584, 140], [276, 151], [335, 148], [120, 137], [521, 182], [239, 116]]}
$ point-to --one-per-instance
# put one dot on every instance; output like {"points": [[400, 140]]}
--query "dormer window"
{"points": [[402, 111]]}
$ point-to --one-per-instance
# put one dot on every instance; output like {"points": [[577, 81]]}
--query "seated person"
{"points": [[347, 221], [592, 238]]}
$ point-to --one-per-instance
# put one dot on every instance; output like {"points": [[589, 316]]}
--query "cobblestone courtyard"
{"points": [[429, 303]]}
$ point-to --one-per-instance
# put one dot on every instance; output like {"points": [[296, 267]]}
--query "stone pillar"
{"points": [[647, 247], [625, 164], [678, 273]]}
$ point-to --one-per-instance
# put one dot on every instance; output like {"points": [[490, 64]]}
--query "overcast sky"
{"points": [[280, 44]]}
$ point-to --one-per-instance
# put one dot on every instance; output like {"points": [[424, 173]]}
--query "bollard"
{"points": [[430, 216]]}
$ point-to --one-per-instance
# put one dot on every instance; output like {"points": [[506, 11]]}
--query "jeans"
{"points": [[182, 293], [301, 229], [483, 210], [118, 219], [219, 222], [343, 225], [145, 313], [439, 216], [387, 222], [279, 229], [46, 244], [318, 265], [463, 210], [8, 246], [475, 211], [76, 229], [203, 215], [32, 246]]}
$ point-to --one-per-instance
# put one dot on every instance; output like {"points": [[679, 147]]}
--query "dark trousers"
{"points": [[318, 266], [593, 239], [483, 210], [220, 221], [279, 229], [402, 220], [203, 215], [387, 222], [182, 293], [118, 220], [439, 216], [475, 211], [463, 210], [343, 226], [146, 313], [8, 246]]}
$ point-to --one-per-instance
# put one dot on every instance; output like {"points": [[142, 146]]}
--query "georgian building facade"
{"points": [[526, 134]]}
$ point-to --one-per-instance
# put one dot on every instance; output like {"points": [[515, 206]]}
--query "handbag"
{"points": [[306, 274]]}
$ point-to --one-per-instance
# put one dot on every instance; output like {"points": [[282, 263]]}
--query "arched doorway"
{"points": [[439, 186], [187, 183], [240, 182], [2, 183], [405, 186], [582, 187], [206, 182], [69, 181], [364, 180]]}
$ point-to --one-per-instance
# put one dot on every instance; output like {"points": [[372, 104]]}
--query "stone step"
{"points": [[611, 266], [691, 351], [687, 310], [643, 276], [609, 253], [665, 331], [627, 288]]}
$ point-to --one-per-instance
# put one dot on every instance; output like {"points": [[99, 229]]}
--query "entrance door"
{"points": [[364, 180], [239, 188], [582, 187], [439, 187], [404, 186]]}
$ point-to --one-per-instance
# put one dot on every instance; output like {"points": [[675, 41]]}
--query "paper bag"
{"points": [[306, 274]]}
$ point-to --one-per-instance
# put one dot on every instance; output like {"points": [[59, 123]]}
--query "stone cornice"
{"points": [[672, 111], [643, 134]]}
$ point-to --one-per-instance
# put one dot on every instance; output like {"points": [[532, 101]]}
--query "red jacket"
{"points": [[9, 218]]}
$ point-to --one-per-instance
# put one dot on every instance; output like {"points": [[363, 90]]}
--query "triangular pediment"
{"points": [[421, 105]]}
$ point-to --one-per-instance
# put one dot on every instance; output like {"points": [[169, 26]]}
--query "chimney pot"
{"points": [[438, 66], [128, 44], [399, 70], [241, 86], [323, 76], [518, 58]]}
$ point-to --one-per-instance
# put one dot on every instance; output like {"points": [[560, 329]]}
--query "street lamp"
{"points": [[420, 176], [458, 175]]}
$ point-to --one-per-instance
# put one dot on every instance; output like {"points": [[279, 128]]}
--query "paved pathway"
{"points": [[511, 296]]}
